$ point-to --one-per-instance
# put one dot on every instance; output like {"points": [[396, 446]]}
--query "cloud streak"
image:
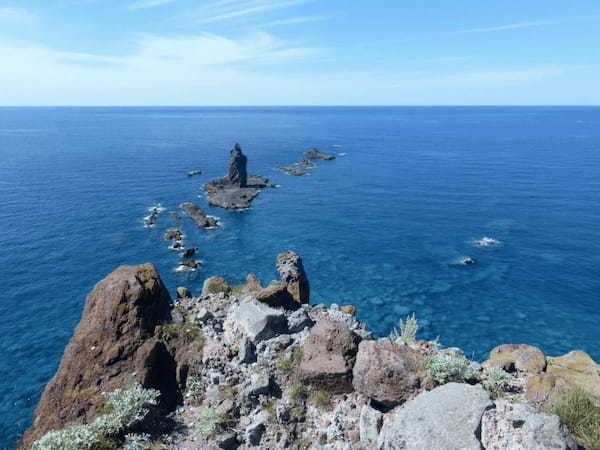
{"points": [[222, 10], [146, 4], [510, 26]]}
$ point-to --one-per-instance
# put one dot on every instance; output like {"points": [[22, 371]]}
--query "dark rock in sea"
{"points": [[292, 274], [194, 173], [237, 189], [175, 215], [114, 346], [191, 263], [305, 164], [313, 153], [467, 261], [173, 235], [188, 253], [196, 213], [177, 245], [292, 171]]}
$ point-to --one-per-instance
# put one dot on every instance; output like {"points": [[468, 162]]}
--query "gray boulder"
{"points": [[447, 417], [370, 422], [258, 321], [298, 321], [516, 426]]}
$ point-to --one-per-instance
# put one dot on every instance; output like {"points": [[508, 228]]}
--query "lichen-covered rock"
{"points": [[112, 347], [183, 292], [328, 356], [512, 426], [292, 274], [277, 295], [387, 372], [447, 417], [215, 285], [542, 387], [517, 357], [577, 368]]}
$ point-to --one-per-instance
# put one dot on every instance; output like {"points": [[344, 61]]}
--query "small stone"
{"points": [[204, 315]]}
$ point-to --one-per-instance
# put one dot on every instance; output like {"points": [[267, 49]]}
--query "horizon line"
{"points": [[432, 105]]}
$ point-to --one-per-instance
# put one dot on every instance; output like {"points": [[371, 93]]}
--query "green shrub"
{"points": [[194, 389], [78, 437], [446, 368], [209, 420], [408, 330], [581, 413], [137, 442], [287, 363], [297, 391], [321, 398], [495, 380]]}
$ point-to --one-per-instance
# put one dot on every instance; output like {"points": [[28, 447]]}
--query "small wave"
{"points": [[342, 154], [485, 241], [337, 145]]}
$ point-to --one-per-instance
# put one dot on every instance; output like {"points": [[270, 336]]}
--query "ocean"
{"points": [[412, 191]]}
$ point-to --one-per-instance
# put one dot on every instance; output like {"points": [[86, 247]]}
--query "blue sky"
{"points": [[299, 52]]}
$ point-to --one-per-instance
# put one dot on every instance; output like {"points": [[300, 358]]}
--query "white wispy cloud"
{"points": [[221, 10], [16, 15], [510, 26], [293, 21], [145, 4]]}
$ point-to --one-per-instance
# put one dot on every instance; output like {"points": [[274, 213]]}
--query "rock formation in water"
{"points": [[313, 153], [196, 213], [237, 189], [258, 368], [292, 171]]}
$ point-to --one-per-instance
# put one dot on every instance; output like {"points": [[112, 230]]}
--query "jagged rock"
{"points": [[277, 295], [542, 387], [215, 285], [188, 253], [204, 315], [447, 417], [247, 351], [577, 368], [257, 320], [388, 373], [370, 423], [328, 356], [253, 284], [173, 235], [183, 292], [114, 339], [291, 272], [196, 213], [517, 357], [519, 427], [313, 153], [292, 171], [298, 321], [256, 429], [238, 174]]}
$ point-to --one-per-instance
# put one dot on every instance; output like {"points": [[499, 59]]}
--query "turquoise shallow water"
{"points": [[381, 227]]}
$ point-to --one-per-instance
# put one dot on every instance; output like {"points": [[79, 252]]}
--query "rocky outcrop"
{"points": [[237, 189], [173, 235], [278, 296], [578, 369], [514, 426], [388, 373], [215, 285], [313, 153], [196, 213], [292, 171], [517, 357], [306, 164], [329, 356], [447, 417], [114, 345], [292, 274]]}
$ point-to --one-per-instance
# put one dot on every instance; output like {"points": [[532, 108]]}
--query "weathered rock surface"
{"points": [[277, 295], [328, 356], [237, 189], [292, 274], [577, 368], [370, 424], [183, 292], [517, 357], [292, 171], [513, 426], [215, 285], [313, 153], [112, 347], [196, 213], [447, 417], [257, 321], [173, 235], [542, 387], [388, 373]]}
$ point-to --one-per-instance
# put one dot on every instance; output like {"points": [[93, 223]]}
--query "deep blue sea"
{"points": [[381, 227]]}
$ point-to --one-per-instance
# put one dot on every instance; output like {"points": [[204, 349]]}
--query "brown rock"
{"points": [[112, 347], [388, 373], [348, 309], [215, 285], [291, 271], [328, 356], [173, 235], [541, 388], [198, 215], [253, 283], [577, 368], [277, 295], [517, 357]]}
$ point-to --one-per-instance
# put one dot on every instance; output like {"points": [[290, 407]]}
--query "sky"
{"points": [[299, 52]]}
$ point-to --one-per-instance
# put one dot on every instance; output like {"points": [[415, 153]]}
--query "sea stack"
{"points": [[238, 174]]}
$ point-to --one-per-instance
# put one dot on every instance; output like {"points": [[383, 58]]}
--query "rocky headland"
{"points": [[255, 366], [237, 189]]}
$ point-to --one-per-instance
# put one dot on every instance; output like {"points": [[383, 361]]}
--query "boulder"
{"points": [[238, 162], [183, 292], [328, 356], [298, 321], [447, 417], [542, 387], [291, 272], [517, 357], [188, 253], [215, 285], [515, 426], [173, 235], [370, 423], [578, 369], [113, 346], [258, 321], [196, 213], [387, 372], [277, 295], [313, 153]]}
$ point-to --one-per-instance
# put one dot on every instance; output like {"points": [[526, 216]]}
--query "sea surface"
{"points": [[382, 227]]}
